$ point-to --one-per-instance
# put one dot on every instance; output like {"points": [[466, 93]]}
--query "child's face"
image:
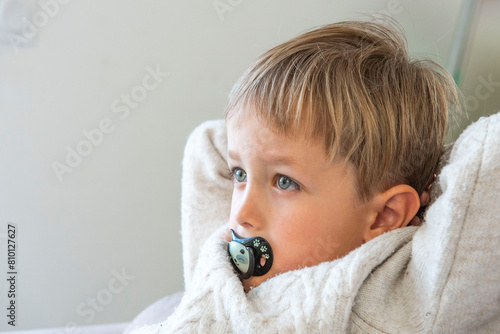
{"points": [[286, 191]]}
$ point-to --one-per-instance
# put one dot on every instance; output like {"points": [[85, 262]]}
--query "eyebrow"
{"points": [[272, 159]]}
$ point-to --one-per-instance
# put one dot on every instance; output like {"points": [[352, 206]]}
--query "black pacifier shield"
{"points": [[246, 255]]}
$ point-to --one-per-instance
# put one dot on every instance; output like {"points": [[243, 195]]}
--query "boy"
{"points": [[333, 139]]}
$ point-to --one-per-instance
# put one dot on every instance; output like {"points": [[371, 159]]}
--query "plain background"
{"points": [[119, 209]]}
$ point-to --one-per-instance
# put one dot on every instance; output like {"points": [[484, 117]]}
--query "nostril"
{"points": [[246, 225]]}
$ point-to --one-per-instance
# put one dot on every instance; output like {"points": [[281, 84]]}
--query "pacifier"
{"points": [[251, 256]]}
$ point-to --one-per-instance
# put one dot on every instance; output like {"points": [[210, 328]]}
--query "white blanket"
{"points": [[314, 299], [442, 277]]}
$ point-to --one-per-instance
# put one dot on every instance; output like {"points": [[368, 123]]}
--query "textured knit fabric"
{"points": [[206, 190], [441, 277]]}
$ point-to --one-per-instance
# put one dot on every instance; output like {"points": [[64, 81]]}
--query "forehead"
{"points": [[264, 130], [288, 123], [250, 137]]}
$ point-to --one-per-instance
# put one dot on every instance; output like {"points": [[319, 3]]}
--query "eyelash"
{"points": [[295, 185], [231, 172]]}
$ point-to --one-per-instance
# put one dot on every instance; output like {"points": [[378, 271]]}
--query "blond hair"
{"points": [[353, 86]]}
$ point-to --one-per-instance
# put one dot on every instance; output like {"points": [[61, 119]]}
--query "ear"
{"points": [[394, 208]]}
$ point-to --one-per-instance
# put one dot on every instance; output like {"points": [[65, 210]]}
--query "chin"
{"points": [[252, 282], [255, 281]]}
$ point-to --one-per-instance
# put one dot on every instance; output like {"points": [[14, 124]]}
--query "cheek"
{"points": [[231, 212], [295, 241], [309, 237], [290, 223], [234, 204]]}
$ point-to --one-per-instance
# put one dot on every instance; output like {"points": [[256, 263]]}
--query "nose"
{"points": [[249, 208]]}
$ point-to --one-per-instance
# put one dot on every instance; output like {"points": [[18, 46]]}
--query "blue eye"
{"points": [[239, 175], [284, 183]]}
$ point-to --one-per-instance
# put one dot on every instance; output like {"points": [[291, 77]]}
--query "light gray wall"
{"points": [[118, 209], [481, 75]]}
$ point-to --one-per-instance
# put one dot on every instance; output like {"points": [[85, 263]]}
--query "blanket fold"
{"points": [[312, 299]]}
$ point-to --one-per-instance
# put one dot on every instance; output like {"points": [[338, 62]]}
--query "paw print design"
{"points": [[256, 243], [267, 256], [263, 249]]}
